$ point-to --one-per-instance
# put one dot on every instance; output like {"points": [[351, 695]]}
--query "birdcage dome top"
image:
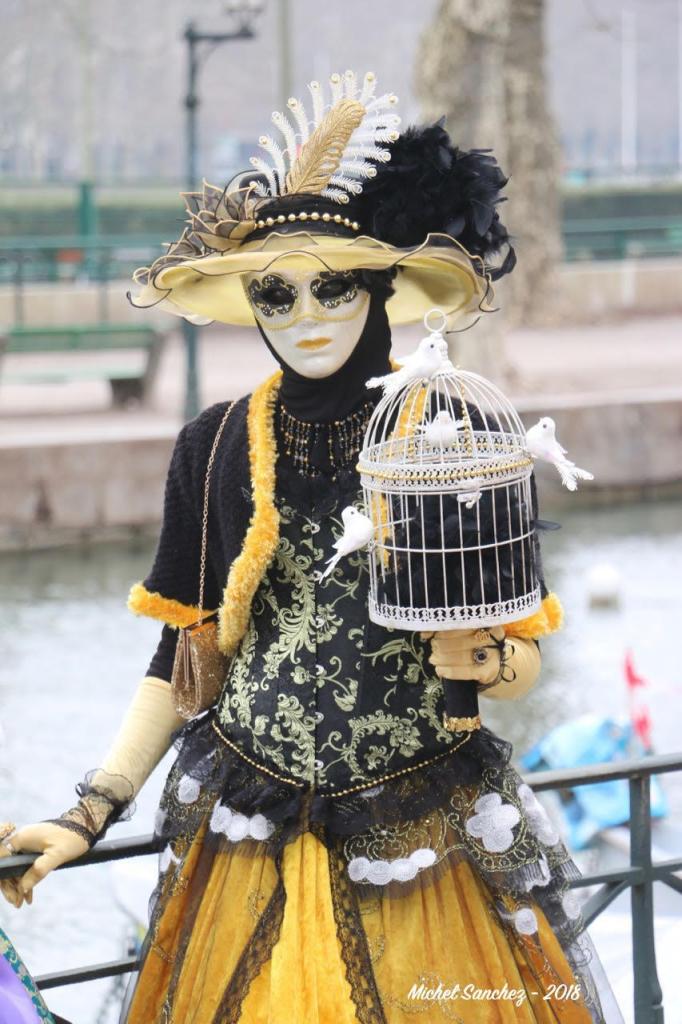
{"points": [[442, 430]]}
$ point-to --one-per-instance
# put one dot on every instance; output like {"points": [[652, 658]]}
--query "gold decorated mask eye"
{"points": [[332, 288], [272, 296]]}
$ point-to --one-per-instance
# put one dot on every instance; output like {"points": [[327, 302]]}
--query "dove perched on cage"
{"points": [[541, 442], [423, 364], [442, 430], [358, 531]]}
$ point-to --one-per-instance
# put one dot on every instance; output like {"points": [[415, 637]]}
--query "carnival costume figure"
{"points": [[336, 847]]}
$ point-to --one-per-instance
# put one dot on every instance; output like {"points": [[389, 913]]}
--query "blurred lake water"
{"points": [[72, 656]]}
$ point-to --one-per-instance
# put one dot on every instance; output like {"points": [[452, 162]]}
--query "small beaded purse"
{"points": [[200, 667]]}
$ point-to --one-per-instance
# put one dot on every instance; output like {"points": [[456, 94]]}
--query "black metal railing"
{"points": [[639, 876]]}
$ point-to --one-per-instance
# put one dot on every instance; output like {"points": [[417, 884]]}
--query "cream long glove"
{"points": [[141, 742], [452, 656]]}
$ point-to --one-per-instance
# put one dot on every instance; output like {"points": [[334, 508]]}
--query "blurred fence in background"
{"points": [[107, 257], [600, 220], [617, 238], [93, 262], [72, 259]]}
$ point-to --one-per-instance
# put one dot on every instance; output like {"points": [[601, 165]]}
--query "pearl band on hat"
{"points": [[335, 218]]}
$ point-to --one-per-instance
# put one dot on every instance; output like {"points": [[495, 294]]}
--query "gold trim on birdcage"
{"points": [[408, 475]]}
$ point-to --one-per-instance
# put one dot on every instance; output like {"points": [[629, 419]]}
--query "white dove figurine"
{"points": [[442, 430], [424, 363], [444, 351], [541, 442], [358, 531]]}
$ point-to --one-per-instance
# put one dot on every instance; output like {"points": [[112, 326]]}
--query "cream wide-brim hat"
{"points": [[437, 273]]}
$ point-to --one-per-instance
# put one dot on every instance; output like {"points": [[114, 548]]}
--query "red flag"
{"points": [[631, 676], [641, 720], [639, 713]]}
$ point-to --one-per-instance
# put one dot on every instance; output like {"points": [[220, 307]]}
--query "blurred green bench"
{"points": [[127, 382]]}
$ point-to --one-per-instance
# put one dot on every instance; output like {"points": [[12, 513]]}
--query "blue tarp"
{"points": [[591, 739]]}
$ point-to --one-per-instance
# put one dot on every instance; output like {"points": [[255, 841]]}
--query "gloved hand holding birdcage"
{"points": [[504, 667]]}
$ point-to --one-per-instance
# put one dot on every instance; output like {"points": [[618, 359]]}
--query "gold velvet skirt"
{"points": [[244, 937]]}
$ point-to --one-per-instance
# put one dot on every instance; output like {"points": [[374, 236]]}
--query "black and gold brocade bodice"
{"points": [[316, 691]]}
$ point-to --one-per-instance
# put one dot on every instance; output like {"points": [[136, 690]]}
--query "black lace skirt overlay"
{"points": [[382, 842], [209, 767]]}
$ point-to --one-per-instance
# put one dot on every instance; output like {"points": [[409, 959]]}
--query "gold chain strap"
{"points": [[204, 521]]}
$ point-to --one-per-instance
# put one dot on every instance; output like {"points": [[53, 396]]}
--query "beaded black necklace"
{"points": [[333, 445]]}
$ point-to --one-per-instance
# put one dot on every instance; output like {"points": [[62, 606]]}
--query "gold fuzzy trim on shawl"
{"points": [[547, 619], [145, 602], [262, 534]]}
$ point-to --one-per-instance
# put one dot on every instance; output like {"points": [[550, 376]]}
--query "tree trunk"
{"points": [[481, 63]]}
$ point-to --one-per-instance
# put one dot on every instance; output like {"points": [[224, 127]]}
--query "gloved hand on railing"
{"points": [[106, 795]]}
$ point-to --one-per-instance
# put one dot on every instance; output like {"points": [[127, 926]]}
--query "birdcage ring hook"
{"points": [[443, 320]]}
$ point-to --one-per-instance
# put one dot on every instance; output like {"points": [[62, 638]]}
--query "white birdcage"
{"points": [[447, 484]]}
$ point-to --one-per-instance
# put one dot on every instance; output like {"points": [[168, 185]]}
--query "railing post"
{"points": [[103, 263], [648, 994], [19, 291]]}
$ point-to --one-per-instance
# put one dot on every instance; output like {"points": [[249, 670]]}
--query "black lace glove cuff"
{"points": [[506, 673], [73, 825], [102, 803]]}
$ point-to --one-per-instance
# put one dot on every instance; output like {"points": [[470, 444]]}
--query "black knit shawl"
{"points": [[175, 571]]}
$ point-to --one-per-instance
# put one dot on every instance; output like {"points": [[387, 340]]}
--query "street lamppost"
{"points": [[199, 45]]}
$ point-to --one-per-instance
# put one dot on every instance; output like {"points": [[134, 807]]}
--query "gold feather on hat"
{"points": [[321, 155], [333, 153]]}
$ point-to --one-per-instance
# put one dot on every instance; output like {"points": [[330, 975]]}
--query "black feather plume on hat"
{"points": [[431, 186]]}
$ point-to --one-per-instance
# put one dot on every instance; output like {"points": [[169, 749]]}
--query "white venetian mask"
{"points": [[312, 320]]}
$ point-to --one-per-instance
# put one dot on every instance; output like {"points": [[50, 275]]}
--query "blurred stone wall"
{"points": [[66, 492]]}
